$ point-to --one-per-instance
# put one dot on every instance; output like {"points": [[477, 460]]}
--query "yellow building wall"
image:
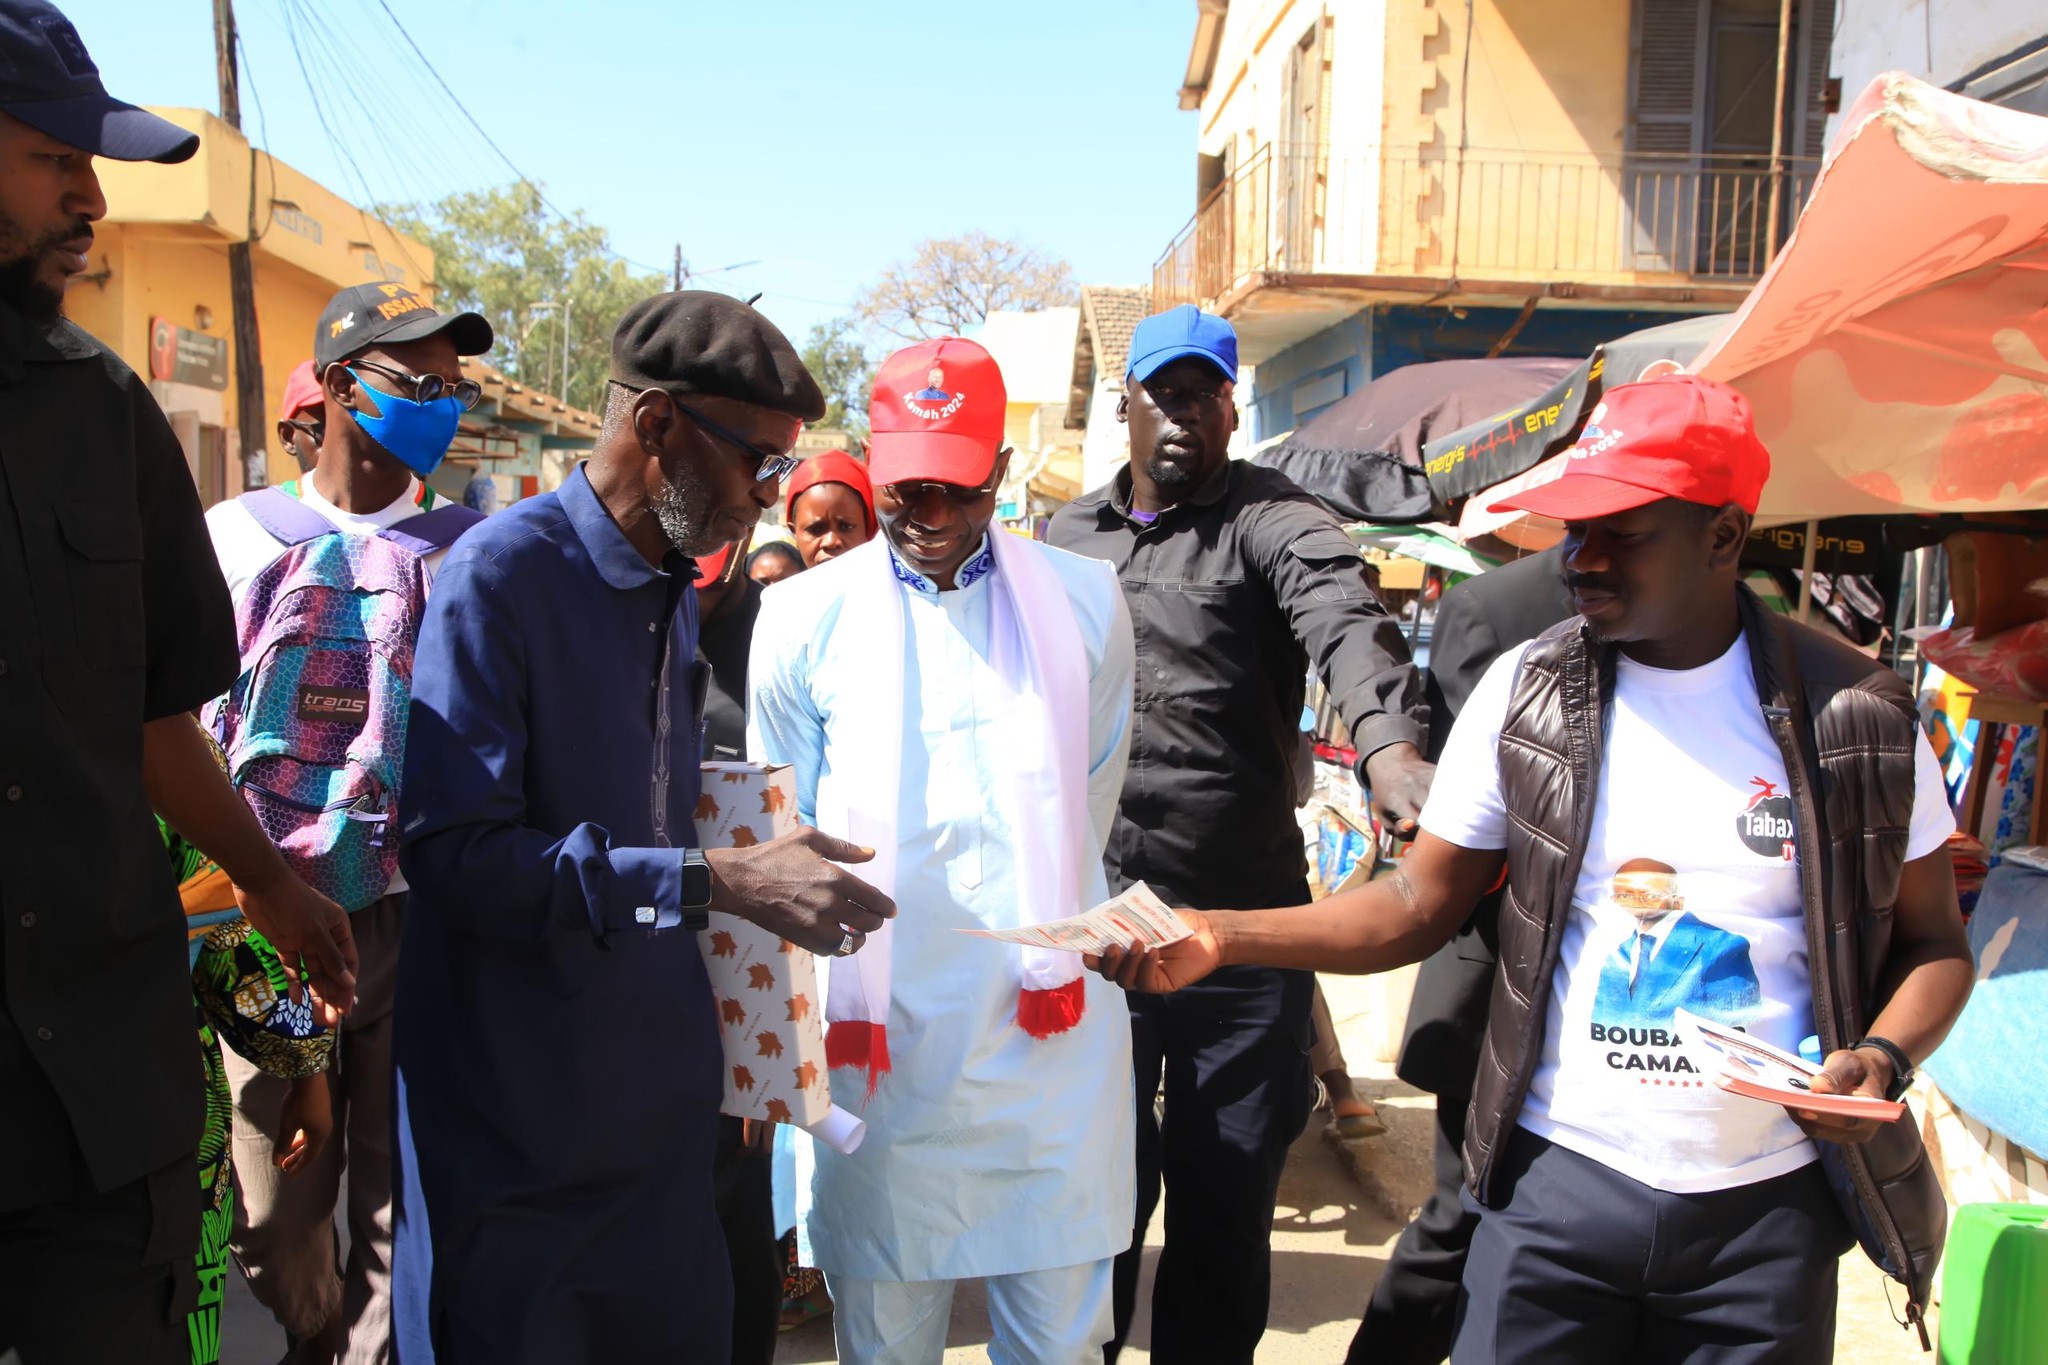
{"points": [[1522, 157], [1547, 76], [1017, 432], [1540, 111], [298, 220], [165, 243]]}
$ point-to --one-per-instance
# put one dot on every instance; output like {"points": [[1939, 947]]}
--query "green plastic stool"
{"points": [[1994, 1299]]}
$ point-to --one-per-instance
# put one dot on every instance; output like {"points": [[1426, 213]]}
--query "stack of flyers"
{"points": [[1752, 1067], [1137, 916]]}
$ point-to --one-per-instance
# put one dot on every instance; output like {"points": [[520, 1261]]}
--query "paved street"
{"points": [[1328, 1247], [1331, 1238]]}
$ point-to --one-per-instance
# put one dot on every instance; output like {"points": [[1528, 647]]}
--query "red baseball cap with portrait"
{"points": [[1680, 437], [936, 413]]}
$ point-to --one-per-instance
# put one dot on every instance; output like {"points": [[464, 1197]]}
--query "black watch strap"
{"points": [[1902, 1065], [696, 897]]}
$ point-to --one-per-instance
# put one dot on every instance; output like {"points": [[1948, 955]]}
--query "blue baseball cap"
{"points": [[1163, 338], [49, 82]]}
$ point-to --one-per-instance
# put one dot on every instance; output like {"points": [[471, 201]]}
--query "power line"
{"points": [[374, 103], [334, 142], [371, 104], [491, 142]]}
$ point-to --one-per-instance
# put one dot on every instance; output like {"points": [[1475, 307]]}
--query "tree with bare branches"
{"points": [[950, 283]]}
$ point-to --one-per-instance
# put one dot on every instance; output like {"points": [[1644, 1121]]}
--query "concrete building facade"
{"points": [[1991, 50], [158, 294], [1380, 182]]}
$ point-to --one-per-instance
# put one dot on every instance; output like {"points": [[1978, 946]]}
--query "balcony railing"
{"points": [[1508, 216]]}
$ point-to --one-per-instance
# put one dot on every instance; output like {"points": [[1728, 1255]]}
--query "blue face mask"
{"points": [[417, 434]]}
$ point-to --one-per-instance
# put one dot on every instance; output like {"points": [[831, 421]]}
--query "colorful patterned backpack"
{"points": [[314, 728]]}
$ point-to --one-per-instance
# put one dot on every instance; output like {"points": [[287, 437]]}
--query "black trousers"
{"points": [[1581, 1263], [1414, 1306], [746, 1211], [95, 1278], [1233, 1053]]}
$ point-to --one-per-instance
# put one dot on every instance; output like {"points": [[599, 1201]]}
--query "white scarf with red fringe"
{"points": [[1037, 654]]}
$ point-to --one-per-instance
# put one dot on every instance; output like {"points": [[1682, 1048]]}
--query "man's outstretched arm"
{"points": [[1384, 924]]}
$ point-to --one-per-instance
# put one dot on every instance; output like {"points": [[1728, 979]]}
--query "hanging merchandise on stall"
{"points": [[1997, 639], [1428, 546], [1363, 455]]}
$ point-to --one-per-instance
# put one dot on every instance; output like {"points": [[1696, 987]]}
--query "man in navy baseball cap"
{"points": [[117, 627], [55, 117], [49, 82]]}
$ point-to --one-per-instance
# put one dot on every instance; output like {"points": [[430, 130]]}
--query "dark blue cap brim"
{"points": [[107, 127], [1144, 367]]}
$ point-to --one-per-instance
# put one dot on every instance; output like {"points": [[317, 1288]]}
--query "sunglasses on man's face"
{"points": [[768, 464], [909, 494], [426, 388]]}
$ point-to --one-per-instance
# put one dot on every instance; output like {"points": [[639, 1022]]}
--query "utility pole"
{"points": [[1778, 135], [250, 421], [679, 267]]}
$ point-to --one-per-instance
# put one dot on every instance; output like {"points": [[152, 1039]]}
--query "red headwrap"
{"points": [[834, 466]]}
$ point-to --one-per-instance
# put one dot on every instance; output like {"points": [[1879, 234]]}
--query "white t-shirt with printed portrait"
{"points": [[1693, 790]]}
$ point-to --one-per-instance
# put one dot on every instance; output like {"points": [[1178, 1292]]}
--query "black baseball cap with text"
{"points": [[366, 315]]}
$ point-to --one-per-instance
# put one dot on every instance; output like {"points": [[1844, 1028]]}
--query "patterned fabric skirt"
{"points": [[217, 1201]]}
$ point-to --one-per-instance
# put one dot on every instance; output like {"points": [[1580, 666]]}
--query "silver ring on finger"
{"points": [[845, 945]]}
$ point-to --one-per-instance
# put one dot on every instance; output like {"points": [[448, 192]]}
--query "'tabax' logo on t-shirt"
{"points": [[1765, 824]]}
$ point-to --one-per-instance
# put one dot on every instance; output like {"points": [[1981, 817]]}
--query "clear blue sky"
{"points": [[822, 138]]}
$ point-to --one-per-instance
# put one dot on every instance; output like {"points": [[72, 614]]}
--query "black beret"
{"points": [[698, 341]]}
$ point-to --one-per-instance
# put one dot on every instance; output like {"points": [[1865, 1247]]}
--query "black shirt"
{"points": [[1234, 593], [723, 640], [112, 613]]}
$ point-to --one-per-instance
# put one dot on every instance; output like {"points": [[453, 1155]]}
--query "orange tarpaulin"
{"points": [[1896, 351]]}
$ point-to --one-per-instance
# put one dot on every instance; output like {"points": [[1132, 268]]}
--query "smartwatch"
{"points": [[1902, 1065], [696, 898]]}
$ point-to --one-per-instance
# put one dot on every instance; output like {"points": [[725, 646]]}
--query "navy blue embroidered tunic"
{"points": [[558, 1052]]}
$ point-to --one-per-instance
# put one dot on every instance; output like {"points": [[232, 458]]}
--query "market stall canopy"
{"points": [[1896, 351], [1478, 456], [1363, 455], [1504, 444], [1631, 359]]}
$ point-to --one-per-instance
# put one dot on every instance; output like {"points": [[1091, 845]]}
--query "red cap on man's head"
{"points": [[936, 412], [1683, 437], [302, 391]]}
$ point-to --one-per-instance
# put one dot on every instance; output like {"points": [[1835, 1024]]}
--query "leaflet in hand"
{"points": [[1137, 916], [1752, 1067]]}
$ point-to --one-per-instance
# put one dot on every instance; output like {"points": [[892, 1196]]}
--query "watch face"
{"points": [[696, 883]]}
